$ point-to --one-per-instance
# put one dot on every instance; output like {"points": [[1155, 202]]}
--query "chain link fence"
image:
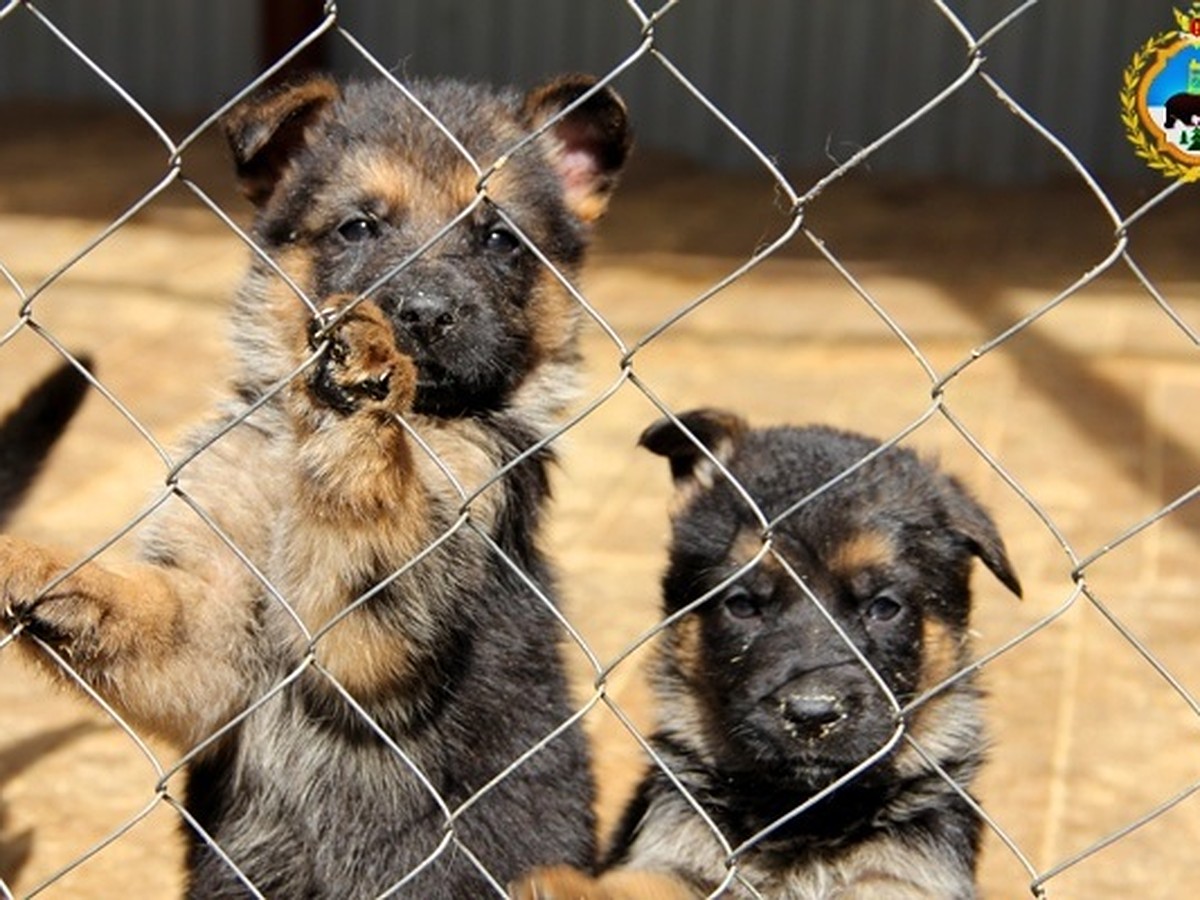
{"points": [[968, 405]]}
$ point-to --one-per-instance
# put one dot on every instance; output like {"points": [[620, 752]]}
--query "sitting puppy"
{"points": [[331, 611], [765, 697]]}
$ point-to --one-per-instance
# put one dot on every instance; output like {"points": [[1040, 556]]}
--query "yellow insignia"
{"points": [[1160, 98]]}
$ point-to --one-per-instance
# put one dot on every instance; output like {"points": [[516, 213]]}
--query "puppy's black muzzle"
{"points": [[825, 704], [810, 713], [427, 318], [468, 358], [826, 718]]}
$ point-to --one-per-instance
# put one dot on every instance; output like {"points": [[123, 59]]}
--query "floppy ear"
{"points": [[719, 431], [588, 145], [970, 520], [266, 130]]}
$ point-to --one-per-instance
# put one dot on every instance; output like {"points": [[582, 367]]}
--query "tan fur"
{"points": [[645, 885], [748, 545], [676, 839], [392, 184], [141, 635], [557, 312], [686, 647], [139, 632], [863, 551], [350, 472], [385, 181], [941, 655], [563, 883], [352, 648], [287, 313]]}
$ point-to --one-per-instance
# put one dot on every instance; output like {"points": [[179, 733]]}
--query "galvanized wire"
{"points": [[645, 51]]}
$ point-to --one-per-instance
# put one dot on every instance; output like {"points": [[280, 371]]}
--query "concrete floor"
{"points": [[1090, 411]]}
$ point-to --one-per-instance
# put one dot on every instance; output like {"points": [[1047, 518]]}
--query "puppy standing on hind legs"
{"points": [[763, 704], [451, 656]]}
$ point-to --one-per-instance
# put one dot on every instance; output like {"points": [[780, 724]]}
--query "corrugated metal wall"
{"points": [[169, 54], [807, 79]]}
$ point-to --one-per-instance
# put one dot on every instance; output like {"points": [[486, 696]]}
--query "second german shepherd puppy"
{"points": [[350, 651], [793, 675]]}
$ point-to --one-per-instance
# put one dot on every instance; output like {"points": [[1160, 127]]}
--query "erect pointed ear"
{"points": [[266, 130], [719, 431], [970, 520], [588, 145]]}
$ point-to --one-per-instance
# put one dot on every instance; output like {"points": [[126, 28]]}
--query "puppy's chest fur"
{"points": [[674, 839]]}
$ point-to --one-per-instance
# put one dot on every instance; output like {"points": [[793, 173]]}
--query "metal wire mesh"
{"points": [[1067, 583]]}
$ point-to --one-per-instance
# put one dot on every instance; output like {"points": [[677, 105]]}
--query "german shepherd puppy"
{"points": [[32, 427], [794, 673], [334, 614]]}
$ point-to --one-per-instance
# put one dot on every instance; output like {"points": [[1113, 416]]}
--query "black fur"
{"points": [[30, 430]]}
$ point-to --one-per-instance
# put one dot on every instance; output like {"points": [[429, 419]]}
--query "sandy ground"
{"points": [[1090, 411]]}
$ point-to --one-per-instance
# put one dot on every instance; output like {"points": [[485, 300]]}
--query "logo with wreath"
{"points": [[1160, 99]]}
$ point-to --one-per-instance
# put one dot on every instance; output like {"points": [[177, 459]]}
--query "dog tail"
{"points": [[29, 431]]}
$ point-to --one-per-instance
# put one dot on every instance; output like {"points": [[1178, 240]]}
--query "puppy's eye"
{"points": [[358, 228], [741, 604], [883, 607], [501, 241]]}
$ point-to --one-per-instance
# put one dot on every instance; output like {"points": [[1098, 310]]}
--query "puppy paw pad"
{"points": [[361, 366]]}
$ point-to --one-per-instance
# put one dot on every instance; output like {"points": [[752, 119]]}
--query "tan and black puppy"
{"points": [[349, 650], [764, 701]]}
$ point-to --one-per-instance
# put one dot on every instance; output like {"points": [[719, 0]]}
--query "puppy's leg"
{"points": [[354, 459], [357, 511], [140, 636], [94, 617], [565, 883]]}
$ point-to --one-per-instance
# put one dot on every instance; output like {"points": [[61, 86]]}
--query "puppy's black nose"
{"points": [[811, 715], [426, 317]]}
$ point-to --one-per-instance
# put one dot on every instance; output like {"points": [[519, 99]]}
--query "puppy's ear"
{"points": [[970, 520], [719, 431], [266, 130], [588, 145]]}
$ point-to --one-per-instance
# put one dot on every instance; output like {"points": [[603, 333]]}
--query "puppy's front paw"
{"points": [[63, 617], [558, 883], [361, 367]]}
